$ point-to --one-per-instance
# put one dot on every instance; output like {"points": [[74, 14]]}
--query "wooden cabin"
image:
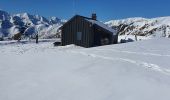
{"points": [[87, 32]]}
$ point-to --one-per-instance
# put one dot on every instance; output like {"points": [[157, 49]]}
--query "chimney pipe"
{"points": [[94, 16]]}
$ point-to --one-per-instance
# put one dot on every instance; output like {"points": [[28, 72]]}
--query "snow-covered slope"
{"points": [[141, 26], [31, 19], [28, 25], [131, 71]]}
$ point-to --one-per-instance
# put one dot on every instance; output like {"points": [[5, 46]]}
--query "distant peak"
{"points": [[54, 18], [2, 11], [25, 14]]}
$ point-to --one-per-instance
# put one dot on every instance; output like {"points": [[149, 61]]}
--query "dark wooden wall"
{"points": [[115, 39], [70, 29], [100, 33]]}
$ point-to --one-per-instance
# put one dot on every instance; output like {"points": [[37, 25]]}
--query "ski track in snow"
{"points": [[155, 67], [130, 52], [147, 65]]}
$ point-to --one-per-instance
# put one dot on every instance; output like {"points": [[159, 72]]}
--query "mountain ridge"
{"points": [[159, 26], [28, 25]]}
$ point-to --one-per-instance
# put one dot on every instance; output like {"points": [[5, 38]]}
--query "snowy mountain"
{"points": [[28, 25], [141, 26]]}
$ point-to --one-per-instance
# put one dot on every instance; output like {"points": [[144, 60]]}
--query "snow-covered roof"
{"points": [[102, 25]]}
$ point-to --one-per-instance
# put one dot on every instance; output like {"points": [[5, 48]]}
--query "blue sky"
{"points": [[105, 9]]}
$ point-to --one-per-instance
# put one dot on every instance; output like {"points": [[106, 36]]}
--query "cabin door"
{"points": [[97, 37]]}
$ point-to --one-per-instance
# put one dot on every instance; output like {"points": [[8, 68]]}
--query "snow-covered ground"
{"points": [[130, 71]]}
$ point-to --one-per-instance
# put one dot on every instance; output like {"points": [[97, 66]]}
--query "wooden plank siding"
{"points": [[70, 29]]}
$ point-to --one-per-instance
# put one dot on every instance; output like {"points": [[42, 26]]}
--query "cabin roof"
{"points": [[95, 22], [100, 24]]}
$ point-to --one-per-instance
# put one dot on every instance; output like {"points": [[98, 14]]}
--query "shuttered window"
{"points": [[79, 35]]}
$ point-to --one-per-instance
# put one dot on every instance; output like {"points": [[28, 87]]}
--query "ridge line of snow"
{"points": [[130, 52], [135, 18], [151, 66]]}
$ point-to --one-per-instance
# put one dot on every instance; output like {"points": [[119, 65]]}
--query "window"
{"points": [[79, 35]]}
